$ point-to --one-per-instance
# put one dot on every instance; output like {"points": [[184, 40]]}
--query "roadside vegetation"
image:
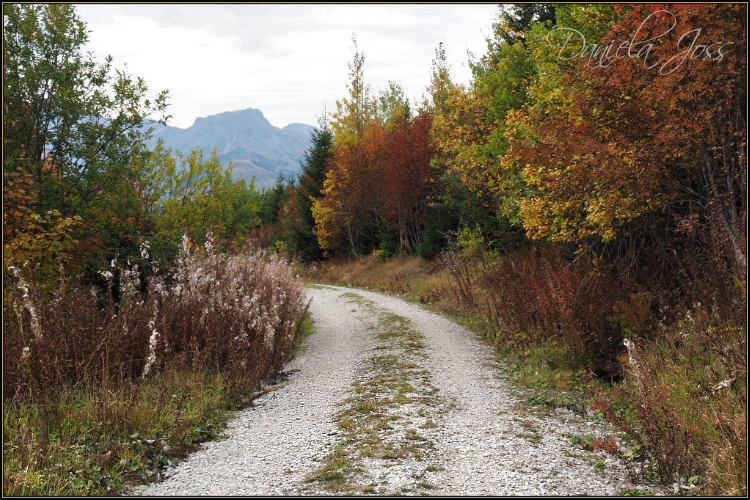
{"points": [[102, 393], [567, 206], [677, 400], [585, 213], [137, 313]]}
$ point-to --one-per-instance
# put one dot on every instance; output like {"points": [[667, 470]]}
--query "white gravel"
{"points": [[483, 445]]}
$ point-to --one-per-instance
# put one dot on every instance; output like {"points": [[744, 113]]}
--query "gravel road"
{"points": [[411, 403]]}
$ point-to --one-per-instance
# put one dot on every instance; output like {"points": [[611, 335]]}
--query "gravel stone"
{"points": [[482, 445]]}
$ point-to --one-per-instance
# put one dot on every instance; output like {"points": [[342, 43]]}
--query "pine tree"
{"points": [[301, 236]]}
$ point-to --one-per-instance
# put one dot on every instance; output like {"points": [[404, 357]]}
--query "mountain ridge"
{"points": [[247, 139]]}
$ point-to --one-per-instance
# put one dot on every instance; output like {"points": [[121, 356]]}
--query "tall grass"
{"points": [[690, 389], [83, 371]]}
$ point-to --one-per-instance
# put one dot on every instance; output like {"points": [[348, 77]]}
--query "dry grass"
{"points": [[407, 275], [87, 376], [232, 313], [690, 386]]}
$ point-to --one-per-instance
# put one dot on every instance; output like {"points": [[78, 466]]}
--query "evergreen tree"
{"points": [[517, 20], [301, 236], [271, 198]]}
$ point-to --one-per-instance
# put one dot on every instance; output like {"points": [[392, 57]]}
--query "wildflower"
{"points": [[144, 250], [269, 336], [185, 244], [152, 349], [209, 245]]}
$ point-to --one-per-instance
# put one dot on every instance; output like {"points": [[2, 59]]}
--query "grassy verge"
{"points": [[679, 409], [105, 439], [103, 392], [389, 418]]}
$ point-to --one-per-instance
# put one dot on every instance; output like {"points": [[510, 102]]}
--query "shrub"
{"points": [[236, 314], [531, 296]]}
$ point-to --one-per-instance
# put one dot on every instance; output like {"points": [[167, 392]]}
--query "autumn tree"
{"points": [[469, 139], [408, 179], [641, 159], [345, 212]]}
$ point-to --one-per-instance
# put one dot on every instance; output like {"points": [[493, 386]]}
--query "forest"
{"points": [[586, 190]]}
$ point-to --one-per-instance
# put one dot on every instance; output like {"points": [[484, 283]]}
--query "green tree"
{"points": [[440, 81], [301, 235], [74, 127], [392, 105], [516, 21], [271, 199], [354, 114], [200, 196]]}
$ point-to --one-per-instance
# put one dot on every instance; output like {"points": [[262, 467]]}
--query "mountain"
{"points": [[255, 147]]}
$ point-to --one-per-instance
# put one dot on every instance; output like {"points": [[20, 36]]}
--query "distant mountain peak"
{"points": [[246, 137]]}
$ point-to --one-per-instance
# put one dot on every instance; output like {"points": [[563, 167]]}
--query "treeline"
{"points": [[629, 154], [587, 189]]}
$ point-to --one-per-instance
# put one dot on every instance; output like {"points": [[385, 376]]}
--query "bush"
{"points": [[530, 296]]}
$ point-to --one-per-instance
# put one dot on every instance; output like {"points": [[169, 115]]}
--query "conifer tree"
{"points": [[301, 236]]}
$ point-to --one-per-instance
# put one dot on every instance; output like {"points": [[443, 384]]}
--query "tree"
{"points": [[516, 21], [301, 225], [345, 211], [627, 141], [408, 179], [392, 105], [72, 125], [200, 196], [440, 81], [354, 114], [271, 198]]}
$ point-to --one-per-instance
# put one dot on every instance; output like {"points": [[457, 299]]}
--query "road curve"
{"points": [[455, 424]]}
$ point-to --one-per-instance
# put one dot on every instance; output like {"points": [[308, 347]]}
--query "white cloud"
{"points": [[286, 60]]}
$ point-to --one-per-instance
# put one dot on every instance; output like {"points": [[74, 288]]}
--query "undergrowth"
{"points": [[104, 390]]}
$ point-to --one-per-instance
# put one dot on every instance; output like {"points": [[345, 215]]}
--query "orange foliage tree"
{"points": [[660, 136]]}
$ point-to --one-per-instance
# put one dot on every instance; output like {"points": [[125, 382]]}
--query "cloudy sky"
{"points": [[289, 61]]}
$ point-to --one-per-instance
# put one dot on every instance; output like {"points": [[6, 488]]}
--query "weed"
{"points": [[632, 493], [370, 429], [110, 391]]}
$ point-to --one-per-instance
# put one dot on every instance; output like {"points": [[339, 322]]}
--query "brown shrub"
{"points": [[232, 313], [538, 294]]}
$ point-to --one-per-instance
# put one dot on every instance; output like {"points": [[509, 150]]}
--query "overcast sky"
{"points": [[289, 61]]}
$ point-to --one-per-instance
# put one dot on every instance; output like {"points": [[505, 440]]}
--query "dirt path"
{"points": [[389, 398]]}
